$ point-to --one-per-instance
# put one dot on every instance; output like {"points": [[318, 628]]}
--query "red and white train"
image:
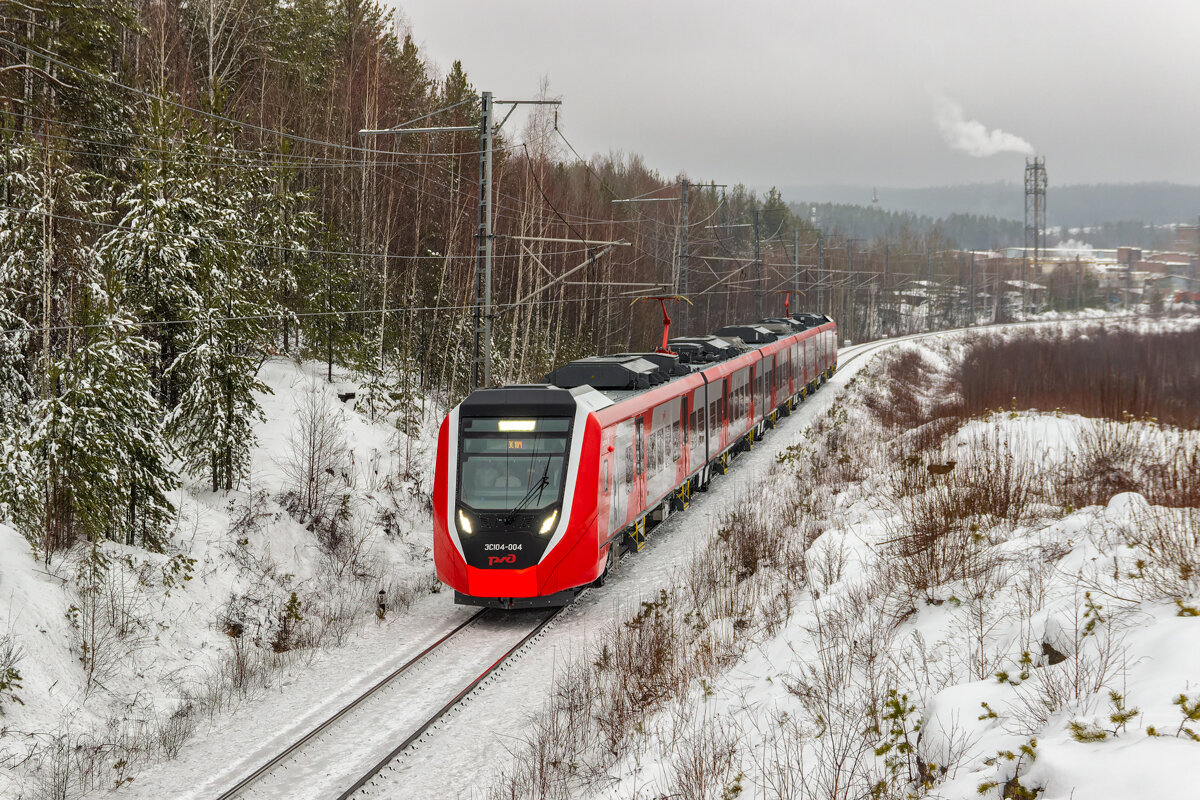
{"points": [[538, 488]]}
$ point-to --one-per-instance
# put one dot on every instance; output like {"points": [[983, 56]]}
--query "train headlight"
{"points": [[548, 522], [464, 522]]}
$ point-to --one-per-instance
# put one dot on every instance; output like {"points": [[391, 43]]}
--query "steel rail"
{"points": [[250, 779], [390, 757]]}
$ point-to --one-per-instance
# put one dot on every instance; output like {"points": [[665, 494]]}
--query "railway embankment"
{"points": [[977, 575]]}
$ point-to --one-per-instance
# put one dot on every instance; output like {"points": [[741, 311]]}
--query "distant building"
{"points": [[1170, 286], [1187, 238], [1166, 263]]}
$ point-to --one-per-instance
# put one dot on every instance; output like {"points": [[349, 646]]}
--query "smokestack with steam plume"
{"points": [[971, 136]]}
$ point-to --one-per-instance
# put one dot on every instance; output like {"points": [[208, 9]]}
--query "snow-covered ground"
{"points": [[168, 673], [171, 654], [1054, 649]]}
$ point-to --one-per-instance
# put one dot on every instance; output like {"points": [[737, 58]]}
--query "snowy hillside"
{"points": [[831, 614], [123, 656], [1005, 606]]}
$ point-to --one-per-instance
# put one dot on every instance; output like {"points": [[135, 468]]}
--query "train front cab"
{"points": [[515, 498]]}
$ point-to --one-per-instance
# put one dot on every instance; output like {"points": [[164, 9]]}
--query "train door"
{"points": [[637, 495], [697, 455], [767, 392], [662, 448], [624, 477]]}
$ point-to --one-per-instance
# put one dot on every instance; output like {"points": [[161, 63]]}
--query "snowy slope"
{"points": [[792, 717], [172, 653]]}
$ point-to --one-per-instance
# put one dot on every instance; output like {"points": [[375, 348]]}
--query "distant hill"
{"points": [[1081, 205], [975, 231]]}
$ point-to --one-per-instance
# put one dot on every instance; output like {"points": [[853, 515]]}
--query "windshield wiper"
{"points": [[538, 486]]}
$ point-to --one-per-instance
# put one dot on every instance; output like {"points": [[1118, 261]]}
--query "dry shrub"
{"points": [[838, 688], [11, 654], [914, 402], [315, 465], [1166, 560], [996, 484], [1132, 456], [705, 764], [1098, 372], [1096, 656], [934, 543]]}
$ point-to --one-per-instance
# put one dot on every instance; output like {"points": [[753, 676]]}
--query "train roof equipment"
{"points": [[669, 362], [718, 348], [750, 334], [608, 372]]}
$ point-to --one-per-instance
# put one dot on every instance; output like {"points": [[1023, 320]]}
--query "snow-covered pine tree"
{"points": [[18, 486], [19, 247], [151, 260], [100, 440], [240, 245]]}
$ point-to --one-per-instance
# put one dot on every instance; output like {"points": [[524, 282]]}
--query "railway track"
{"points": [[339, 782], [359, 740]]}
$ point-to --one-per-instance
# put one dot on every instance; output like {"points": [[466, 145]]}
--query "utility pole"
{"points": [[887, 295], [683, 251], [758, 270], [1078, 288], [971, 304], [820, 270], [1035, 221], [847, 303], [796, 261], [481, 363], [928, 291]]}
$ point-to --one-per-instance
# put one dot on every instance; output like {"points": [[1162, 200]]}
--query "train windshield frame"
{"points": [[513, 464]]}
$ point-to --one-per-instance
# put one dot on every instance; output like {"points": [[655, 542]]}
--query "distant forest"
{"points": [[974, 231], [1079, 206]]}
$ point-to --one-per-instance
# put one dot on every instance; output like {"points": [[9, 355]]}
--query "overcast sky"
{"points": [[887, 92]]}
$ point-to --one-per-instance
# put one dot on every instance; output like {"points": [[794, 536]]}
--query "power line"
{"points": [[542, 192], [287, 314], [263, 245], [37, 52]]}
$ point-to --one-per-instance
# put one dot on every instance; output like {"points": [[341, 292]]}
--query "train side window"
{"points": [[676, 441]]}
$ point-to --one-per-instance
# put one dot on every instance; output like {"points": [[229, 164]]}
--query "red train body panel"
{"points": [[536, 485]]}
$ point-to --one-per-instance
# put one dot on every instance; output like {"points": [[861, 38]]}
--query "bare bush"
{"points": [[913, 399], [1166, 560], [826, 560], [111, 611], [176, 728], [830, 690], [705, 763], [1095, 655], [1132, 456], [316, 461], [1100, 372], [10, 677]]}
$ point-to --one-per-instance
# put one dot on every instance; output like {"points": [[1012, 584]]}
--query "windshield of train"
{"points": [[509, 464]]}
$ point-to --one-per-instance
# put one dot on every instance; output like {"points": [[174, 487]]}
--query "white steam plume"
{"points": [[972, 136]]}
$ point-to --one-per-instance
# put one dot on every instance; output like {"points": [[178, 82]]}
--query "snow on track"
{"points": [[458, 755], [465, 746], [333, 760]]}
